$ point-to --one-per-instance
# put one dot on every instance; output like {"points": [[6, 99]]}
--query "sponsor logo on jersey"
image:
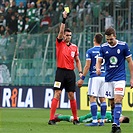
{"points": [[113, 60], [118, 89]]}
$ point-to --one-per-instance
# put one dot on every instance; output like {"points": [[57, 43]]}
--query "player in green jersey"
{"points": [[88, 118]]}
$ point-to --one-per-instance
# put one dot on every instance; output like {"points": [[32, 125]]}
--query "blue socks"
{"points": [[94, 111], [117, 113], [103, 111]]}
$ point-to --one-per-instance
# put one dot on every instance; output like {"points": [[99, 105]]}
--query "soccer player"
{"points": [[88, 118], [66, 53], [96, 83], [114, 52]]}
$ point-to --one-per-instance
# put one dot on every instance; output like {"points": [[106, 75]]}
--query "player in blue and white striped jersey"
{"points": [[114, 53]]}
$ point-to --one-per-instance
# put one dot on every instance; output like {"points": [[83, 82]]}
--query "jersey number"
{"points": [[97, 59], [108, 93]]}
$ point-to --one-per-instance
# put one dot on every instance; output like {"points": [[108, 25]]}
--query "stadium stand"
{"points": [[28, 32]]}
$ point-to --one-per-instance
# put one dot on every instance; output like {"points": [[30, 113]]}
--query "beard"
{"points": [[111, 43]]}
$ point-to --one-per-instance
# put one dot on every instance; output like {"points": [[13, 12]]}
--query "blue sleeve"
{"points": [[127, 51], [88, 54], [101, 52]]}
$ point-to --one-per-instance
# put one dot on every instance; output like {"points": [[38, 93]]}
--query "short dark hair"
{"points": [[126, 120], [67, 30], [98, 38], [110, 31]]}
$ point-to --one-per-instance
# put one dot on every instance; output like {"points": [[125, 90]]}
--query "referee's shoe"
{"points": [[51, 122], [76, 122]]}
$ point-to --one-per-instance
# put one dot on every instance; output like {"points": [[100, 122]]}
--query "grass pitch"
{"points": [[20, 120]]}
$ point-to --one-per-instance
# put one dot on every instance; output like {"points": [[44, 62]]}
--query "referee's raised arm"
{"points": [[62, 26]]}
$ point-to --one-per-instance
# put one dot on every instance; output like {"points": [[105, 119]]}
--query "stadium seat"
{"points": [[31, 72]]}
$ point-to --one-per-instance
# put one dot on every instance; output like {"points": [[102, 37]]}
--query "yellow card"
{"points": [[67, 9]]}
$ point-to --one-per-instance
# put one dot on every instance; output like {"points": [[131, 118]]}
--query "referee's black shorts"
{"points": [[66, 79]]}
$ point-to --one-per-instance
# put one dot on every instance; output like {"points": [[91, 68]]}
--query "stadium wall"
{"points": [[40, 97]]}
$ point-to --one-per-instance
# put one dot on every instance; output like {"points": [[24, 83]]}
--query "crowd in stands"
{"points": [[42, 14], [23, 18], [37, 16]]}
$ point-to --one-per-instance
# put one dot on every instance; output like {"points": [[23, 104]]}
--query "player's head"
{"points": [[67, 35], [124, 119], [98, 38], [110, 35]]}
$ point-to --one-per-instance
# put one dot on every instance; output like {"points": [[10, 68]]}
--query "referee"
{"points": [[66, 54]]}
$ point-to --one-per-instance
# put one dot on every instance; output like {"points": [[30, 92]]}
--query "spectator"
{"points": [[108, 20], [59, 12], [52, 14], [27, 9], [7, 6], [27, 27], [14, 7], [45, 22], [45, 4], [13, 25], [2, 11], [21, 9], [20, 24], [39, 11], [80, 10], [96, 9], [58, 3], [2, 30], [31, 13], [8, 16], [32, 17], [2, 21], [109, 6], [120, 23]]}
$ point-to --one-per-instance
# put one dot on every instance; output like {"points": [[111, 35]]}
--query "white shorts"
{"points": [[96, 86], [115, 87]]}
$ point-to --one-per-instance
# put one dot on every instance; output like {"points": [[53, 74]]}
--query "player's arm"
{"points": [[85, 71], [78, 63], [98, 65], [130, 65], [86, 67], [62, 26]]}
